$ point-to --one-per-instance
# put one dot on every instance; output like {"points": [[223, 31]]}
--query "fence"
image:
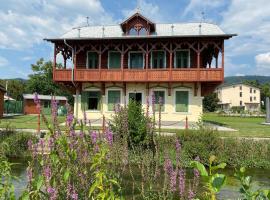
{"points": [[13, 107]]}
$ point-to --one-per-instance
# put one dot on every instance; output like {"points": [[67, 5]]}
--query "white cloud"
{"points": [[263, 60], [150, 10], [251, 20], [195, 7], [3, 62], [25, 23]]}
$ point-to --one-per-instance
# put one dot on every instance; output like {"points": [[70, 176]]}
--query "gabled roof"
{"points": [[44, 97], [161, 30], [2, 88], [136, 16]]}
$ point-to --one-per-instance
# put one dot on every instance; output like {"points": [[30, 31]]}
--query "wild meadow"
{"points": [[129, 159]]}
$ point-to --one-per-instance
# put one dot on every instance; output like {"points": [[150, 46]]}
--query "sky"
{"points": [[24, 25]]}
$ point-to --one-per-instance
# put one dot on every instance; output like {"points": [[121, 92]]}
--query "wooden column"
{"points": [[223, 58], [170, 72], [198, 61], [217, 61], [147, 61], [54, 60]]}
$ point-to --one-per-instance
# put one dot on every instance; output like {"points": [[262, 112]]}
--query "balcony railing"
{"points": [[136, 75]]}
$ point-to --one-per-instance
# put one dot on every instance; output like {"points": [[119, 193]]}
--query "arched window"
{"points": [[143, 31], [133, 31]]}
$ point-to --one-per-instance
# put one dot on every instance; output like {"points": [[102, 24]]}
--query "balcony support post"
{"points": [[77, 101], [223, 58], [54, 61], [171, 64], [147, 61], [198, 61]]}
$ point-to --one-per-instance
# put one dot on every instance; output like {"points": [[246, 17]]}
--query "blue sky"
{"points": [[24, 24]]}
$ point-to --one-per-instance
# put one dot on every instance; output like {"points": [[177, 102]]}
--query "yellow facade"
{"points": [[239, 95], [169, 114]]}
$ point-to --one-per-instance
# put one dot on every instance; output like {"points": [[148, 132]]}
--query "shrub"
{"points": [[132, 122]]}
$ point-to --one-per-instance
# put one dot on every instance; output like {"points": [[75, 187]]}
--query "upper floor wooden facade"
{"points": [[140, 54]]}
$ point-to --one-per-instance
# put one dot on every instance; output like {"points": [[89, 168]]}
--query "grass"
{"points": [[245, 126], [26, 121]]}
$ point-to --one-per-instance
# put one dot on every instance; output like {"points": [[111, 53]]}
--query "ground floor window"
{"points": [[91, 100], [159, 98], [135, 96], [181, 101], [114, 97]]}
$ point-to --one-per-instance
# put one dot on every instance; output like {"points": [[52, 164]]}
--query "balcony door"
{"points": [[136, 60]]}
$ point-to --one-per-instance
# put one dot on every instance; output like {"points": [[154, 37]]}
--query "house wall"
{"points": [[1, 103], [29, 106], [231, 95], [169, 114]]}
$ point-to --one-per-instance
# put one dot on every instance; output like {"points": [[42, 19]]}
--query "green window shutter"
{"points": [[181, 101], [113, 99], [136, 60], [158, 59], [84, 102], [92, 61], [158, 95], [114, 60], [182, 59]]}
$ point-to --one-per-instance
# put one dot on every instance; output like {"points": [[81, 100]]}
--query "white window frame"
{"points": [[107, 96], [165, 96], [136, 52], [108, 60], [165, 60], [95, 90], [189, 99], [87, 64], [188, 50]]}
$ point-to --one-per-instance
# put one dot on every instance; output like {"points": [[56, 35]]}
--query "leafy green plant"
{"points": [[246, 187], [215, 180], [6, 186]]}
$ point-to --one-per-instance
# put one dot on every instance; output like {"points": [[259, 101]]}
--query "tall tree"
{"points": [[41, 81], [210, 102], [16, 88]]}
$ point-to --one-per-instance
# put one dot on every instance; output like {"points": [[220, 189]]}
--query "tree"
{"points": [[16, 88], [210, 102], [41, 81]]}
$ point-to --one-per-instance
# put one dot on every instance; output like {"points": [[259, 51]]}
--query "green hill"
{"points": [[239, 79]]}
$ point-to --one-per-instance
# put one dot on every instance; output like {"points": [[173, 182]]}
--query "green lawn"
{"points": [[246, 126], [26, 121]]}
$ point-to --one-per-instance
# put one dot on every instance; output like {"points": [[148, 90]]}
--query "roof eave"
{"points": [[224, 36]]}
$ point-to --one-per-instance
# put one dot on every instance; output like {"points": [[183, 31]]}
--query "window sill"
{"points": [[183, 113], [93, 111]]}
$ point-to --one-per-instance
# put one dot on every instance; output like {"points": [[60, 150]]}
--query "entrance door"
{"points": [[136, 96]]}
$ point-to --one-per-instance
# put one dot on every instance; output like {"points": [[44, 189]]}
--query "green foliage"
{"points": [[6, 187], [246, 187], [215, 181], [131, 121], [16, 88], [210, 102], [233, 151], [41, 80], [237, 109]]}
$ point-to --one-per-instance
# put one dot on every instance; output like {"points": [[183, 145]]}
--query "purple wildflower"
{"points": [[182, 177], [94, 137], [191, 194], [74, 195], [47, 173], [69, 120], [153, 102], [173, 177], [168, 166], [52, 193], [51, 142], [30, 144], [109, 136], [29, 174]]}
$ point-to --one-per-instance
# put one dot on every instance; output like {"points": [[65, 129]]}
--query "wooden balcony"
{"points": [[134, 75]]}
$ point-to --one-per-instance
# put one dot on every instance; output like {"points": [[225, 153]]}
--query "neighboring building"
{"points": [[179, 62], [242, 95], [29, 106], [2, 93]]}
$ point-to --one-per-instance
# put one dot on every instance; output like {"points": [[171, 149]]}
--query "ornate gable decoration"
{"points": [[139, 25]]}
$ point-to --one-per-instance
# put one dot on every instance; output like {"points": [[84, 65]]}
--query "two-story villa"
{"points": [[239, 95], [179, 62]]}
